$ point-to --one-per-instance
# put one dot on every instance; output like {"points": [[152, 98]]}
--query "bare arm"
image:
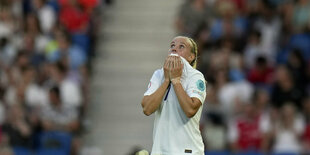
{"points": [[150, 103], [189, 105]]}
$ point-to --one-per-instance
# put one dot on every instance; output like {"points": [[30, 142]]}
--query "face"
{"points": [[249, 109], [182, 46], [62, 42], [282, 74], [262, 98], [288, 113], [54, 98]]}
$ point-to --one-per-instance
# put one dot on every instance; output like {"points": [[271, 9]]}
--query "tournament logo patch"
{"points": [[200, 85]]}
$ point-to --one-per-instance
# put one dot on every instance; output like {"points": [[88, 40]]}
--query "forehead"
{"points": [[181, 39]]}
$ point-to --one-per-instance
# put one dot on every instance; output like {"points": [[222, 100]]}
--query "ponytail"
{"points": [[194, 50]]}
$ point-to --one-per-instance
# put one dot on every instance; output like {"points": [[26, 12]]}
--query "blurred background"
{"points": [[73, 73]]}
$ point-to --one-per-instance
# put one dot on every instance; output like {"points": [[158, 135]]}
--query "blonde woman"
{"points": [[175, 94]]}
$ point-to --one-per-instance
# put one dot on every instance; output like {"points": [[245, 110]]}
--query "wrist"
{"points": [[167, 81], [176, 80]]}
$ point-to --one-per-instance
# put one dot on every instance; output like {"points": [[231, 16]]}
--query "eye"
{"points": [[171, 46], [182, 46]]}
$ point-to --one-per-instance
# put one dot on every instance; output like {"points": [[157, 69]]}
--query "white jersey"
{"points": [[174, 133]]}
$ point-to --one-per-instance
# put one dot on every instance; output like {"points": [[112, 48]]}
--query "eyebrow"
{"points": [[183, 43], [180, 42]]}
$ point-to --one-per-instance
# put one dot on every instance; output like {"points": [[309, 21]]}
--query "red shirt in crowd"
{"points": [[249, 134], [306, 134], [74, 18], [260, 76]]}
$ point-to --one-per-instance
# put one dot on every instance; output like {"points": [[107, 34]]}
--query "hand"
{"points": [[177, 68], [167, 68]]}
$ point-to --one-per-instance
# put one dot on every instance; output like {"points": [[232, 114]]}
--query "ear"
{"points": [[191, 57]]}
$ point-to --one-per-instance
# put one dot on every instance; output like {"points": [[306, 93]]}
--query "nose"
{"points": [[173, 50]]}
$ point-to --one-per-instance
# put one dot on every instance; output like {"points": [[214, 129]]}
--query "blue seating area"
{"points": [[50, 143], [245, 153], [56, 141], [50, 152], [22, 151]]}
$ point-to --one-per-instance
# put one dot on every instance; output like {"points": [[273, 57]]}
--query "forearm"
{"points": [[186, 103], [151, 102]]}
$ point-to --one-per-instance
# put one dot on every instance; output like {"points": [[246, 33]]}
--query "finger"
{"points": [[166, 62], [179, 62], [174, 64], [182, 65], [170, 63], [176, 61]]}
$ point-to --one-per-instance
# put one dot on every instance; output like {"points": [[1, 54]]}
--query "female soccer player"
{"points": [[176, 93]]}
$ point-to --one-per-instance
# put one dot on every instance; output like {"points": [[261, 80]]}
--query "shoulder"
{"points": [[196, 80], [196, 74]]}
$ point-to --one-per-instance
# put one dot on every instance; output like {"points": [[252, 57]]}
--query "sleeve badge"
{"points": [[200, 85]]}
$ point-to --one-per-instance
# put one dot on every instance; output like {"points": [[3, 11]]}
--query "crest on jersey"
{"points": [[200, 85]]}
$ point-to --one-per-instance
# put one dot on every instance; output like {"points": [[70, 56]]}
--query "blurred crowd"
{"points": [[255, 55], [46, 48]]}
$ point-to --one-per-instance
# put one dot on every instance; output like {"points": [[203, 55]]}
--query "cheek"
{"points": [[183, 53], [187, 55]]}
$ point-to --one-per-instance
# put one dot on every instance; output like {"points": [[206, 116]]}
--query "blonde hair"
{"points": [[194, 50]]}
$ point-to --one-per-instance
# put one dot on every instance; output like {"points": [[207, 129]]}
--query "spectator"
{"points": [[17, 127], [306, 134], [252, 49], [33, 31], [46, 15], [73, 18], [69, 54], [58, 116], [229, 23], [244, 132], [7, 52], [284, 89], [269, 25], [36, 95], [7, 24], [297, 67], [287, 131], [233, 95], [261, 99], [192, 18], [69, 90], [261, 73], [32, 47], [301, 15], [214, 132]]}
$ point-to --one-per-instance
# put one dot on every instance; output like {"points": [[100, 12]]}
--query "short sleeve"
{"points": [[197, 87], [155, 82]]}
